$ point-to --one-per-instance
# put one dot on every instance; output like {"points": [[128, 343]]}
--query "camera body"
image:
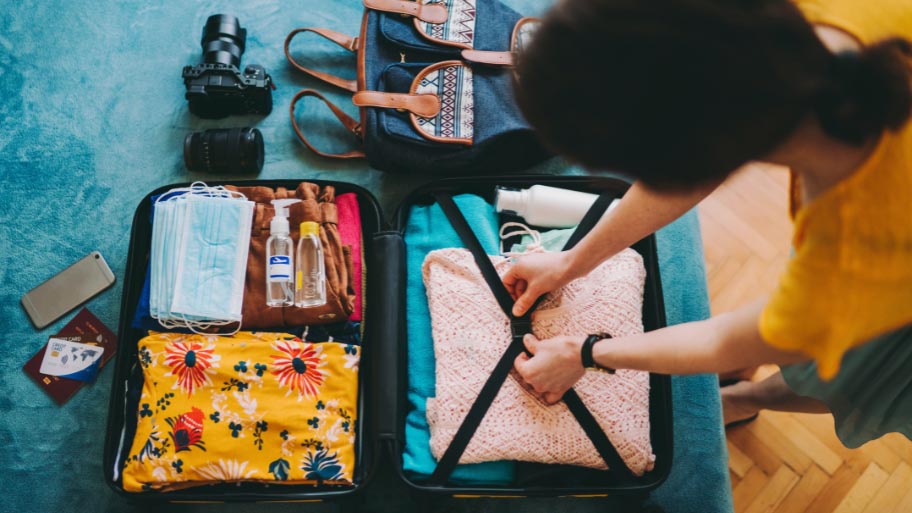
{"points": [[217, 88]]}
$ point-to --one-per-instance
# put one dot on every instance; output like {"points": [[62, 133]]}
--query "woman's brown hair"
{"points": [[679, 92]]}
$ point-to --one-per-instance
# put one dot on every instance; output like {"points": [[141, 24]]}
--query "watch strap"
{"points": [[586, 356]]}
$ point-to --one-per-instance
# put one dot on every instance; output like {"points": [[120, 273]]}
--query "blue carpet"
{"points": [[93, 116]]}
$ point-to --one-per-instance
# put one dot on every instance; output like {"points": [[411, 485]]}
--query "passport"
{"points": [[84, 328]]}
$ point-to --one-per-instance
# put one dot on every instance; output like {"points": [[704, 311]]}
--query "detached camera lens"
{"points": [[225, 150]]}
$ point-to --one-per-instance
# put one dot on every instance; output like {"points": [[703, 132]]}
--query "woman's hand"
{"points": [[536, 274], [642, 211], [554, 367]]}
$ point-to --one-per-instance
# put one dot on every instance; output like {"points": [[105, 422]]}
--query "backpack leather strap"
{"points": [[349, 43], [347, 121], [488, 57], [424, 105], [430, 13]]}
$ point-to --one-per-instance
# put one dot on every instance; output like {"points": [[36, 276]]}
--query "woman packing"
{"points": [[679, 94]]}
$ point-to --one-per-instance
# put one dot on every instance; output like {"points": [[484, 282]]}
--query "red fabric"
{"points": [[350, 231]]}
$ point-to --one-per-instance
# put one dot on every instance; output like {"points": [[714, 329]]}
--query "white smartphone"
{"points": [[68, 289]]}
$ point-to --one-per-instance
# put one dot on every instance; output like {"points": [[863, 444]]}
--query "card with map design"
{"points": [[84, 328]]}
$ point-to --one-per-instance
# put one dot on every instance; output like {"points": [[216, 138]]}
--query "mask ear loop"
{"points": [[172, 194], [204, 325], [523, 230], [200, 188]]}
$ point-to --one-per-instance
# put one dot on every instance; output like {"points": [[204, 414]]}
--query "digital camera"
{"points": [[217, 88]]}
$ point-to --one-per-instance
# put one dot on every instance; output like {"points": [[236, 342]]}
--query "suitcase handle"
{"points": [[386, 297]]}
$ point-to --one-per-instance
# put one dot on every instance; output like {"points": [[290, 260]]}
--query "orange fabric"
{"points": [[850, 278]]}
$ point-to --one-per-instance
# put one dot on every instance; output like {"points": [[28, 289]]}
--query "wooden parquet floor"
{"points": [[785, 462]]}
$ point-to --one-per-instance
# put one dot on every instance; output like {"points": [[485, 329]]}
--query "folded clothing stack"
{"points": [[471, 334], [263, 407]]}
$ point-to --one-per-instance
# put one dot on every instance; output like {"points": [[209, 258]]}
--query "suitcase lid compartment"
{"points": [[594, 482]]}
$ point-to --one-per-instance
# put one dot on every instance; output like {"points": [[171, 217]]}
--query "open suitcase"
{"points": [[382, 402]]}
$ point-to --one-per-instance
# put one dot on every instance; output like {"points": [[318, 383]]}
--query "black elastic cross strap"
{"points": [[595, 433], [501, 294], [588, 222], [576, 406], [492, 385], [476, 413], [519, 326]]}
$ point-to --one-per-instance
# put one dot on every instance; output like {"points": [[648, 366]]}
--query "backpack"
{"points": [[434, 87]]}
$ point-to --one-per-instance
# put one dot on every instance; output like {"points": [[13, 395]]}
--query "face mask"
{"points": [[200, 257], [212, 259], [166, 222]]}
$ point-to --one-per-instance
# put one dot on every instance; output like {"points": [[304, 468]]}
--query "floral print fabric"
{"points": [[250, 407]]}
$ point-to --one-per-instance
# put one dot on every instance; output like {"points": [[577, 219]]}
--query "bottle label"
{"points": [[279, 268]]}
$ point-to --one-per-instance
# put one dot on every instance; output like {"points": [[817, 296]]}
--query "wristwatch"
{"points": [[586, 352]]}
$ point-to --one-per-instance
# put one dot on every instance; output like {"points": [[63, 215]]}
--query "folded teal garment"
{"points": [[428, 229]]}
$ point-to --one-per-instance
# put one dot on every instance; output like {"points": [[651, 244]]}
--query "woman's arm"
{"points": [[641, 212], [726, 342], [722, 343]]}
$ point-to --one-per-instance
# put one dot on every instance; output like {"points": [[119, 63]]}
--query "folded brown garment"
{"points": [[316, 205]]}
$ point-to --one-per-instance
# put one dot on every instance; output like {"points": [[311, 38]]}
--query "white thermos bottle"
{"points": [[547, 207]]}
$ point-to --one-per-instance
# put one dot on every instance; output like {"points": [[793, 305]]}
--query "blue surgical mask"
{"points": [[199, 257]]}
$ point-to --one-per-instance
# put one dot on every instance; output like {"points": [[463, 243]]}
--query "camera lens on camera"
{"points": [[223, 40], [224, 150]]}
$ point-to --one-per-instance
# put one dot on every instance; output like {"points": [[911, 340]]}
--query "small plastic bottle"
{"points": [[280, 257], [310, 284], [547, 207]]}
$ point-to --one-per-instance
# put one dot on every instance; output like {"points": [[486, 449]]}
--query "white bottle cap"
{"points": [[279, 223], [507, 200]]}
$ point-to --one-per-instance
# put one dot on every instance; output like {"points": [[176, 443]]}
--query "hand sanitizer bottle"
{"points": [[280, 257], [310, 285]]}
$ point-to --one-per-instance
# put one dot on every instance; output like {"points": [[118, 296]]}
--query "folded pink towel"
{"points": [[471, 333], [350, 233]]}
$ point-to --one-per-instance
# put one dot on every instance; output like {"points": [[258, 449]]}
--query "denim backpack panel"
{"points": [[491, 27]]}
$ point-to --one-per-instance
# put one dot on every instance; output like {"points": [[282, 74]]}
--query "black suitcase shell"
{"points": [[383, 375]]}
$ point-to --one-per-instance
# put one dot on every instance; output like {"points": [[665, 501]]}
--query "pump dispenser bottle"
{"points": [[280, 257], [310, 284]]}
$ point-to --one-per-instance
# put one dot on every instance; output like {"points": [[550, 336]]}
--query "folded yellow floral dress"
{"points": [[262, 407]]}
